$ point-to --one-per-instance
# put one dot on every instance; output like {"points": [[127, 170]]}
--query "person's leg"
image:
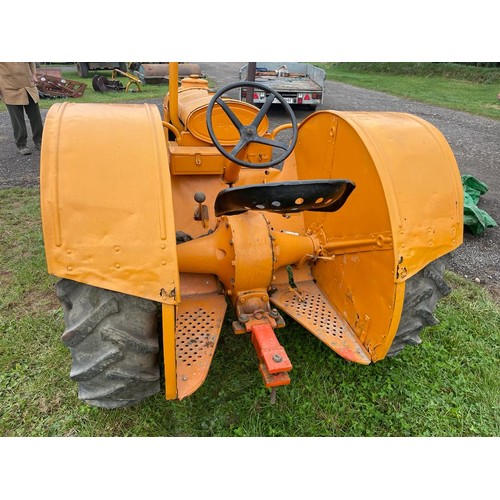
{"points": [[33, 112], [16, 114]]}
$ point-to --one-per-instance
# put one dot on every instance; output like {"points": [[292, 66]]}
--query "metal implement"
{"points": [[50, 86], [132, 80], [102, 84], [158, 72], [51, 71]]}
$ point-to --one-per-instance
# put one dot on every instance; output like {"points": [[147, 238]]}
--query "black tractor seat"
{"points": [[325, 195]]}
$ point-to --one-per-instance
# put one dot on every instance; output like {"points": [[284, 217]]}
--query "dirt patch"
{"points": [[6, 278], [36, 302]]}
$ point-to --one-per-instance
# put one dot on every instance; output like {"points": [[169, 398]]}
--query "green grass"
{"points": [[448, 386], [455, 86], [157, 91]]}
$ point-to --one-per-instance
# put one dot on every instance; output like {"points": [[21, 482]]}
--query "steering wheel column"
{"points": [[250, 133]]}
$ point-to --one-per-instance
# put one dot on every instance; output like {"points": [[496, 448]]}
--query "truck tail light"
{"points": [[307, 98]]}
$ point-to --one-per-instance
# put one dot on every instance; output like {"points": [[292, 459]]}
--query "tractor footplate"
{"points": [[310, 307], [274, 363], [198, 324]]}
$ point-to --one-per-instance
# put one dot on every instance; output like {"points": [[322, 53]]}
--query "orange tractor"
{"points": [[341, 222]]}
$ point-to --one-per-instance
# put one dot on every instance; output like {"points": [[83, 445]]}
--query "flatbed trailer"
{"points": [[300, 84]]}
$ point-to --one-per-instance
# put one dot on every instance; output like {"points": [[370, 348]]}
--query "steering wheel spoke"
{"points": [[249, 133], [271, 142], [241, 144], [229, 112], [263, 111]]}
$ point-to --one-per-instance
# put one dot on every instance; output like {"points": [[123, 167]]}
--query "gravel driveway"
{"points": [[474, 140]]}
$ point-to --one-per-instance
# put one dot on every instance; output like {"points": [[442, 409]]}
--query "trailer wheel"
{"points": [[423, 290], [113, 342], [83, 69]]}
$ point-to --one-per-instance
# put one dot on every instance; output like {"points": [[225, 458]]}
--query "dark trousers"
{"points": [[16, 113]]}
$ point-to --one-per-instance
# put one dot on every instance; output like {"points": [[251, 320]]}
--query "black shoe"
{"points": [[38, 146]]}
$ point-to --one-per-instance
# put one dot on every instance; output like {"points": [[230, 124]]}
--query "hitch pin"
{"points": [[273, 395]]}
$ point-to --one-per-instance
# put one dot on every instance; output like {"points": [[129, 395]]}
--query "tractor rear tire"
{"points": [[422, 292], [114, 344]]}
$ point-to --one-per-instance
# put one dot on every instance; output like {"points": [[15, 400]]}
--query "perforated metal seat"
{"points": [[285, 197]]}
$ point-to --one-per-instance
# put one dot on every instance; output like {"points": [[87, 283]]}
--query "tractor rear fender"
{"points": [[106, 199], [406, 211]]}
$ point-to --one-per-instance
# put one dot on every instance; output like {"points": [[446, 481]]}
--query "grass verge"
{"points": [[448, 386], [455, 86]]}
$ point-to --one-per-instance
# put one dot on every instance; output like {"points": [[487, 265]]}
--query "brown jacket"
{"points": [[17, 80]]}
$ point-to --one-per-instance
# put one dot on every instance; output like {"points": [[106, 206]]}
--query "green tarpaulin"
{"points": [[475, 219]]}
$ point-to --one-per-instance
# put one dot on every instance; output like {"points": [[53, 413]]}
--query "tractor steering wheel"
{"points": [[248, 133]]}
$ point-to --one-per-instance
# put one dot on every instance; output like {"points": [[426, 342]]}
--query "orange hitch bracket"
{"points": [[274, 362]]}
